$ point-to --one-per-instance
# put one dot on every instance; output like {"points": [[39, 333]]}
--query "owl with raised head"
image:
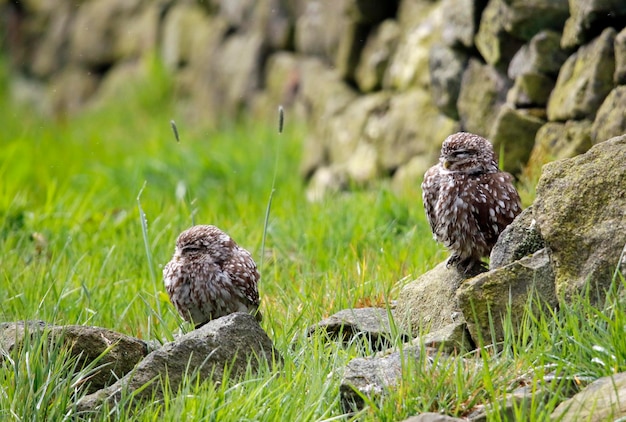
{"points": [[468, 200], [210, 276]]}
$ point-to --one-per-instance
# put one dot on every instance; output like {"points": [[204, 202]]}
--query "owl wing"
{"points": [[244, 273], [497, 203], [430, 195]]}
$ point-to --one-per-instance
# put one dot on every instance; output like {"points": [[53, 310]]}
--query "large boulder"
{"points": [[429, 303], [513, 132], [602, 400], [348, 325], [483, 92], [580, 214], [519, 239], [376, 55], [235, 341], [584, 81], [488, 299], [113, 354], [589, 17], [610, 120], [555, 141]]}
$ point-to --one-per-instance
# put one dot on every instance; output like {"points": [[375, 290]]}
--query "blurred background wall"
{"points": [[379, 84]]}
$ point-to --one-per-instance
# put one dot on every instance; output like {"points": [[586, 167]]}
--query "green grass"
{"points": [[72, 252]]}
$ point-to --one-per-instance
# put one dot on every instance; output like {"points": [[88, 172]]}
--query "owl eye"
{"points": [[462, 154], [191, 248]]}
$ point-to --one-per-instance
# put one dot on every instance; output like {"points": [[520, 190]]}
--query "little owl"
{"points": [[468, 200], [210, 276]]}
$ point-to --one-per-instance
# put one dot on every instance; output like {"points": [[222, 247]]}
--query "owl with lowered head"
{"points": [[468, 200], [210, 276]]}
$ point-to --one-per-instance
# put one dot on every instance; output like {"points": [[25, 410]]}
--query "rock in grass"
{"points": [[235, 341], [580, 214], [372, 377], [602, 400], [114, 354], [348, 324]]}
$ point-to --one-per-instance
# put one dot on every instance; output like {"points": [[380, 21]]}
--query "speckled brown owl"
{"points": [[210, 276], [468, 200]]}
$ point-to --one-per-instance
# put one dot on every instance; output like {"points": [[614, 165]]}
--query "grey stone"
{"points": [[483, 92], [584, 81], [588, 17], [50, 54], [580, 214], [235, 72], [495, 44], [487, 299], [555, 141], [351, 45], [462, 18], [514, 132], [373, 376], [372, 324], [429, 303], [344, 131], [376, 55], [620, 58], [432, 417], [453, 338], [408, 176], [542, 54], [236, 340], [446, 70], [114, 354], [319, 26], [70, 90], [519, 239], [325, 181], [399, 136], [530, 90], [100, 27], [371, 12], [408, 67], [321, 91], [602, 400], [182, 26], [610, 119], [525, 18]]}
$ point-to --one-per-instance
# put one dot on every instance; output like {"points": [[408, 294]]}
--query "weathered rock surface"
{"points": [[584, 81], [602, 400], [483, 92], [376, 56], [513, 131], [555, 141], [489, 297], [611, 119], [234, 341], [429, 303], [373, 376], [115, 353], [580, 214], [588, 17], [519, 239], [453, 338], [349, 324], [432, 417]]}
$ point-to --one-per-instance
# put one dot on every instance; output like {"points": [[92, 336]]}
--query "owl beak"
{"points": [[446, 164]]}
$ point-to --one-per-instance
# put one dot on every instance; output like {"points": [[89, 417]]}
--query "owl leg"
{"points": [[471, 267], [453, 261]]}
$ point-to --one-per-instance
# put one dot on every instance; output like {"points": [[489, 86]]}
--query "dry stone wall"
{"points": [[379, 84]]}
